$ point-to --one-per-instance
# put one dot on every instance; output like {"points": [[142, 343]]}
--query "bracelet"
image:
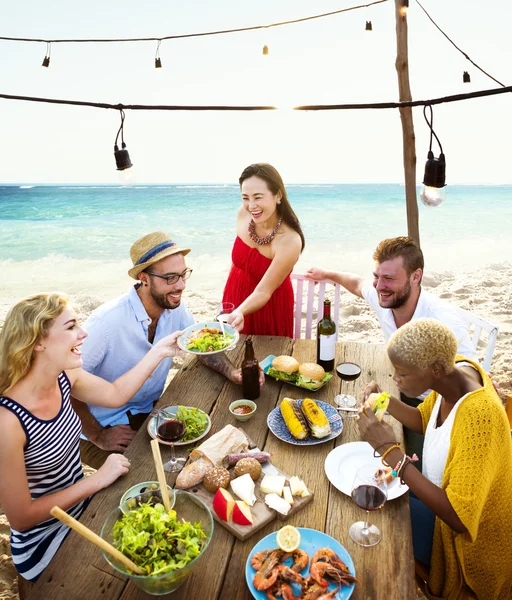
{"points": [[403, 463], [375, 451], [387, 452]]}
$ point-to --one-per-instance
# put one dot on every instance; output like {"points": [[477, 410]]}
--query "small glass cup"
{"points": [[169, 429]]}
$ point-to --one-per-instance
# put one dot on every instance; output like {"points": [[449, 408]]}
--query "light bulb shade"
{"points": [[466, 78], [46, 61], [265, 50], [435, 171], [368, 26], [432, 196], [158, 63], [122, 157]]}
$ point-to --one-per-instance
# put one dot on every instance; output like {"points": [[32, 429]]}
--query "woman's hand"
{"points": [[168, 345], [115, 466], [370, 388], [236, 320], [375, 432]]}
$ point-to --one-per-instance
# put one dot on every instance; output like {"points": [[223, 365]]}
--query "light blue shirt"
{"points": [[118, 340]]}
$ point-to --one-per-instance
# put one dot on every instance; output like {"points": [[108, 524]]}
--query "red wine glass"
{"points": [[170, 429], [370, 493], [347, 371]]}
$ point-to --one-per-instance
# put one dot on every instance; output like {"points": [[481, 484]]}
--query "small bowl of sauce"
{"points": [[242, 410]]}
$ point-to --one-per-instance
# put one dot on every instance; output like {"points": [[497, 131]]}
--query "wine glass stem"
{"points": [[365, 531], [173, 454]]}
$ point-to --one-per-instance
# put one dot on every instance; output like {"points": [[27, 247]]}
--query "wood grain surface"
{"points": [[385, 571]]}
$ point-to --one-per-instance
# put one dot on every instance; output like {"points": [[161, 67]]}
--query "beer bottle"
{"points": [[326, 339], [250, 373]]}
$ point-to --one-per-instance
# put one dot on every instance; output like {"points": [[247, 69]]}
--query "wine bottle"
{"points": [[326, 339], [250, 373]]}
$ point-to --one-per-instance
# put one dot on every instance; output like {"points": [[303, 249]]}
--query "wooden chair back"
{"points": [[307, 311], [477, 326]]}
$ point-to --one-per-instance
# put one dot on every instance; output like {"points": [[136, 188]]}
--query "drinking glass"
{"points": [[169, 429], [223, 310], [370, 493], [347, 371]]}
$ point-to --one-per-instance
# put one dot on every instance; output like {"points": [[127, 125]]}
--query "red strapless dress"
{"points": [[249, 266]]}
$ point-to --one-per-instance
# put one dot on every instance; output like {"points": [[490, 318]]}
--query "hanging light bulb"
{"points": [[368, 26], [466, 78], [403, 8], [46, 59], [158, 62], [433, 193], [265, 50], [121, 155]]}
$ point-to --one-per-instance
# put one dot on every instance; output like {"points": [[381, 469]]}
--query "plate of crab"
{"points": [[320, 569]]}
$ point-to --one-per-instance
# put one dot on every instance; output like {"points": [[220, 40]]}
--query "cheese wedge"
{"points": [[273, 484], [287, 494], [243, 487], [277, 503]]}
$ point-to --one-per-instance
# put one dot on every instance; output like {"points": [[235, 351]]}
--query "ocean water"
{"points": [[77, 238]]}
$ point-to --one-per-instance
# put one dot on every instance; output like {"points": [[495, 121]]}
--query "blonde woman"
{"points": [[40, 365], [460, 503]]}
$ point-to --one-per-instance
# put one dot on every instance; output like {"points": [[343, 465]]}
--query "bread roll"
{"points": [[248, 465], [215, 478]]}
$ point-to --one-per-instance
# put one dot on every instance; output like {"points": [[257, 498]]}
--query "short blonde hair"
{"points": [[26, 324], [422, 342]]}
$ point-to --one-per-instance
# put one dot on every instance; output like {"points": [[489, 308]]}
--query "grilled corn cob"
{"points": [[293, 418], [316, 419]]}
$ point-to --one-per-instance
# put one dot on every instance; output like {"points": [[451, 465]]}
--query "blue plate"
{"points": [[266, 363], [311, 540], [278, 427], [190, 331]]}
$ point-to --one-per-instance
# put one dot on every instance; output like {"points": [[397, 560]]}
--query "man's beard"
{"points": [[401, 297], [161, 299]]}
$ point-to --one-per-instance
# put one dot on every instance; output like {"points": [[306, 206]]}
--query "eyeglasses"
{"points": [[173, 277]]}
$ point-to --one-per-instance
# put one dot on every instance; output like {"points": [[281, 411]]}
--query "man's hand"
{"points": [[114, 439], [236, 320], [316, 274], [236, 376], [168, 345], [376, 433]]}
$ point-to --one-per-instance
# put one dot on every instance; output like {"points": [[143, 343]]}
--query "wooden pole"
{"points": [[409, 140]]}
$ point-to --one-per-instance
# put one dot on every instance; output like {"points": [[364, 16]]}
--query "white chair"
{"points": [[477, 325], [305, 291]]}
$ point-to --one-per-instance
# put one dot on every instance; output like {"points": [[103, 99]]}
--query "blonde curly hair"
{"points": [[26, 324], [422, 342]]}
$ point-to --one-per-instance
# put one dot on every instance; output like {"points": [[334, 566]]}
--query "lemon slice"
{"points": [[288, 538]]}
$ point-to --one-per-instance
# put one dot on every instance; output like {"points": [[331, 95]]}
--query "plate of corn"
{"points": [[305, 422]]}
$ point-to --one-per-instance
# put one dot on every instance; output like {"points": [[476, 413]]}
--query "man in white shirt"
{"points": [[123, 330], [397, 298]]}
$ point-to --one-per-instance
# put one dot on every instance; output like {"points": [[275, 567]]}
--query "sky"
{"points": [[325, 61]]}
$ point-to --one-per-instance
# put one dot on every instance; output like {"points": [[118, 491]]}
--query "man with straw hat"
{"points": [[123, 330]]}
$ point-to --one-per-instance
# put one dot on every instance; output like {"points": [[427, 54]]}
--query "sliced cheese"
{"points": [[305, 492], [244, 488], [297, 486], [287, 494], [277, 503], [273, 484]]}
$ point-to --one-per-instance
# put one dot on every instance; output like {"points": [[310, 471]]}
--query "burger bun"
{"points": [[371, 402], [312, 371], [286, 364]]}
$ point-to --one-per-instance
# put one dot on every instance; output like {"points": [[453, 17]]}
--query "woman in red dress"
{"points": [[268, 244]]}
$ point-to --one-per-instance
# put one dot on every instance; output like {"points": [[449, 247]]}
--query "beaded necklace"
{"points": [[262, 240]]}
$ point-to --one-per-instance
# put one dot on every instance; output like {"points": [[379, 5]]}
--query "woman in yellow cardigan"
{"points": [[460, 505]]}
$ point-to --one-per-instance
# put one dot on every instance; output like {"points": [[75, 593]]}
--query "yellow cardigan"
{"points": [[478, 482]]}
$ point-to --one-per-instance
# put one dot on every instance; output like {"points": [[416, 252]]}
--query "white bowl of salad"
{"points": [[208, 338], [167, 545]]}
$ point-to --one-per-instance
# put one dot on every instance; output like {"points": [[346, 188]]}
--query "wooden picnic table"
{"points": [[78, 571]]}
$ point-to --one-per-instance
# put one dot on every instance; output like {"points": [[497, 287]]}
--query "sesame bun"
{"points": [[312, 371], [286, 364], [372, 401]]}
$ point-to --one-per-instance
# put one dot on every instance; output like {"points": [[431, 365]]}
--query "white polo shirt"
{"points": [[429, 307]]}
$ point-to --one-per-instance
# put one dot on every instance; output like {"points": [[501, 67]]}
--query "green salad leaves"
{"points": [[209, 339], [195, 422], [156, 541]]}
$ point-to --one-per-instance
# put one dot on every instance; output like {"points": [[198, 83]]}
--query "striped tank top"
{"points": [[52, 463]]}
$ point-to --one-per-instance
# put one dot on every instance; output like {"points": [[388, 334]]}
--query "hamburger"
{"points": [[311, 376], [378, 403], [285, 368]]}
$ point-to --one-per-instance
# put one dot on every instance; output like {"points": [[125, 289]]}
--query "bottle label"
{"points": [[327, 346]]}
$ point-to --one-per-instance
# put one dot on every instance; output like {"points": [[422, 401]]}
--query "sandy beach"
{"points": [[486, 291]]}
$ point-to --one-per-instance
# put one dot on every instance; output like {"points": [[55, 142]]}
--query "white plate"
{"points": [[172, 410], [342, 463], [184, 337]]}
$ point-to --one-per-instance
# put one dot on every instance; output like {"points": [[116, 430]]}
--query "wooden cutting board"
{"points": [[261, 513]]}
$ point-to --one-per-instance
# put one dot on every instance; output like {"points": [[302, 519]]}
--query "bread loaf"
{"points": [[193, 473]]}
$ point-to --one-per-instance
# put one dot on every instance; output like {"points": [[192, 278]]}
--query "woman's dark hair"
{"points": [[275, 184]]}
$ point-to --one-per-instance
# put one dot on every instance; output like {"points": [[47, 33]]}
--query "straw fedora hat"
{"points": [[150, 249]]}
